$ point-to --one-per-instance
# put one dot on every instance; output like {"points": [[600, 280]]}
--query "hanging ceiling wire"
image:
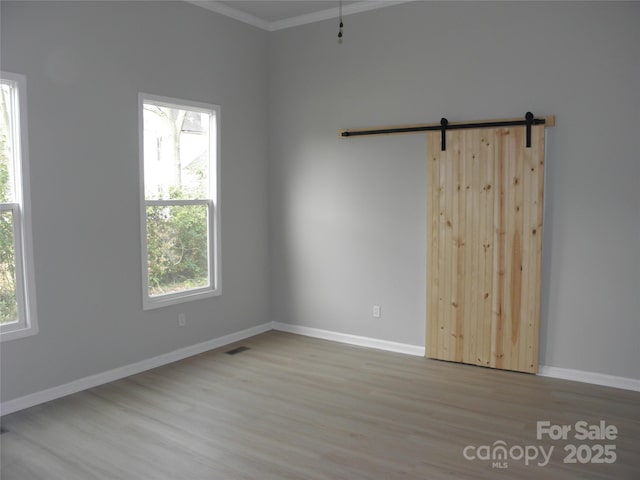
{"points": [[341, 24]]}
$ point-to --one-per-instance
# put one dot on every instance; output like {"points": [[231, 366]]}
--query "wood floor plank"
{"points": [[294, 407]]}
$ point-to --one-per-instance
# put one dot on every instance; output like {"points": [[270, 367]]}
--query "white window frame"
{"points": [[21, 213], [212, 204]]}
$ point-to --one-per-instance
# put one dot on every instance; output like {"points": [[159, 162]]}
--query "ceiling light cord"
{"points": [[341, 24]]}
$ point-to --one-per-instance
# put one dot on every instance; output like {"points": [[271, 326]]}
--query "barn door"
{"points": [[484, 244]]}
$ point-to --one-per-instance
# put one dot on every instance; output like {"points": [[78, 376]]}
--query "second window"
{"points": [[179, 172]]}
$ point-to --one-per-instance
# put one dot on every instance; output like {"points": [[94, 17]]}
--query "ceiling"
{"points": [[276, 15]]}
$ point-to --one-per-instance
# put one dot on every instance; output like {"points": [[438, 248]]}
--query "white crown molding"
{"points": [[327, 14], [330, 13], [231, 12]]}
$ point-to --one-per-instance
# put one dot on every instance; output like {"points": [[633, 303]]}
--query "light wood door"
{"points": [[484, 237]]}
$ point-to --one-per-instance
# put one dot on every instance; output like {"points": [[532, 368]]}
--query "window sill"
{"points": [[177, 298], [8, 335]]}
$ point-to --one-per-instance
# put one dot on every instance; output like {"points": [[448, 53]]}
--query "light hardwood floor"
{"points": [[293, 407]]}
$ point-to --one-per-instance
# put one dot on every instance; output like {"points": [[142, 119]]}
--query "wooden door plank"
{"points": [[516, 284], [485, 245], [448, 251], [498, 259], [458, 227], [433, 236], [470, 159], [509, 252], [440, 182]]}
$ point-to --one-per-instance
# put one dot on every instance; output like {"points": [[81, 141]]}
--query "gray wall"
{"points": [[348, 216], [85, 63]]}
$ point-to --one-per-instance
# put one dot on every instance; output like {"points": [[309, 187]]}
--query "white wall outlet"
{"points": [[182, 319], [376, 311]]}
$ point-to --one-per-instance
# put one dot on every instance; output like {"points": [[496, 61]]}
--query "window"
{"points": [[17, 290], [179, 205]]}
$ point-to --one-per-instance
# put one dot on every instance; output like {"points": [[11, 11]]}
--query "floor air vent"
{"points": [[237, 350]]}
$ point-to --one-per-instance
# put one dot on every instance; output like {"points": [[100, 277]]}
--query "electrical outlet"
{"points": [[376, 311], [182, 319]]}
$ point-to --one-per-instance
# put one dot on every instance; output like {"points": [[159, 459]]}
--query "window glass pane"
{"points": [[8, 298], [176, 153], [7, 191], [177, 248]]}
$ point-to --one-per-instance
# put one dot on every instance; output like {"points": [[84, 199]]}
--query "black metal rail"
{"points": [[528, 121]]}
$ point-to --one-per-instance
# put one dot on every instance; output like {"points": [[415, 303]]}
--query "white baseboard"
{"points": [[85, 383], [407, 349], [590, 377], [544, 371], [75, 386]]}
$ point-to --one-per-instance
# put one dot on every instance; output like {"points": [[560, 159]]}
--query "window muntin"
{"points": [[179, 184]]}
